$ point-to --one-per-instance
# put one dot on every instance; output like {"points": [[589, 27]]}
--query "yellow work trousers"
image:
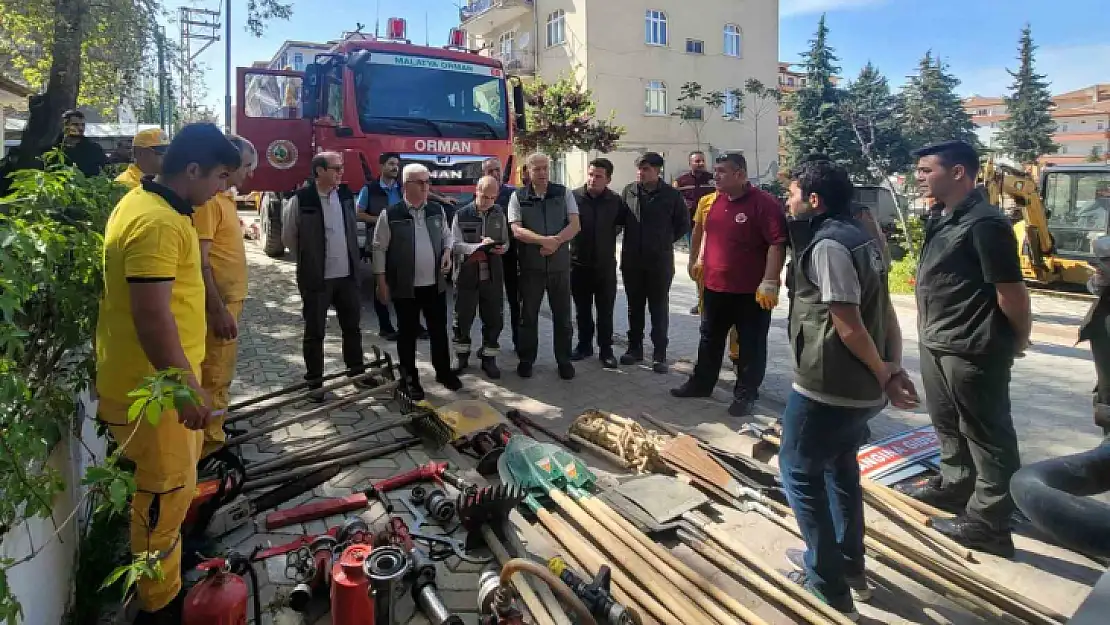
{"points": [[733, 337], [216, 373], [165, 457]]}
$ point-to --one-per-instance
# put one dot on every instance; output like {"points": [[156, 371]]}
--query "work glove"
{"points": [[767, 295]]}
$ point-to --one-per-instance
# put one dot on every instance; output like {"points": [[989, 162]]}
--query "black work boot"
{"points": [[464, 362], [634, 355], [581, 352], [659, 363], [936, 494], [976, 535], [608, 360], [489, 366]]}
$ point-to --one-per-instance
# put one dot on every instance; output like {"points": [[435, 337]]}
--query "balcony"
{"points": [[520, 61], [482, 16]]}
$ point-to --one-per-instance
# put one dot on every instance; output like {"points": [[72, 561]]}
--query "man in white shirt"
{"points": [[412, 247]]}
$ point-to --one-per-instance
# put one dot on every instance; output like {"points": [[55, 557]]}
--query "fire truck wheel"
{"points": [[271, 225]]}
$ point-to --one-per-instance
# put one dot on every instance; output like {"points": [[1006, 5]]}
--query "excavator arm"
{"points": [[1001, 181]]}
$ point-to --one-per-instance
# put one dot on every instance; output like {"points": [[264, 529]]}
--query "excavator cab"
{"points": [[1077, 207]]}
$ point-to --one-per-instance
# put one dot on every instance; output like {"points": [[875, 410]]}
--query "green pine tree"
{"points": [[870, 109], [818, 124], [1027, 133], [930, 110]]}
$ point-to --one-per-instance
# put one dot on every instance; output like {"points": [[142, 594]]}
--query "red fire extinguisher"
{"points": [[350, 588], [221, 597]]}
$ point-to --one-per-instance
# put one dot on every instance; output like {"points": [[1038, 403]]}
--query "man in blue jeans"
{"points": [[847, 350]]}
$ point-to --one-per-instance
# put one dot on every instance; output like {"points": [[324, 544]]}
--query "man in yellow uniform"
{"points": [[151, 319], [696, 239], [147, 149], [224, 264]]}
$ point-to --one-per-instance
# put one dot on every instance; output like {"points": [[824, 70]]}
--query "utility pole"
{"points": [[227, 67], [160, 41], [196, 25]]}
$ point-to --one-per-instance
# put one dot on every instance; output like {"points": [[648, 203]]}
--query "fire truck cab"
{"points": [[447, 108]]}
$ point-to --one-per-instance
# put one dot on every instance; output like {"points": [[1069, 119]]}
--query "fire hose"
{"points": [[1055, 495]]}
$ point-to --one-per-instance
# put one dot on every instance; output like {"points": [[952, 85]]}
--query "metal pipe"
{"points": [[326, 408], [292, 399], [281, 478], [298, 455]]}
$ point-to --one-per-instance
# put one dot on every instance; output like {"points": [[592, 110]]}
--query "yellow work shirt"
{"points": [[703, 208], [131, 177], [217, 220], [149, 237]]}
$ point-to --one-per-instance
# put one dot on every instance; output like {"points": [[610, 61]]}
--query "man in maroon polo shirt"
{"points": [[745, 247]]}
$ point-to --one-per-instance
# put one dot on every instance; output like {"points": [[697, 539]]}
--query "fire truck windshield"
{"points": [[416, 95]]}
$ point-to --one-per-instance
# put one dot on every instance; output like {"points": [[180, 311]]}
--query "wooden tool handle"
{"points": [[644, 571], [599, 508], [750, 559], [585, 553]]}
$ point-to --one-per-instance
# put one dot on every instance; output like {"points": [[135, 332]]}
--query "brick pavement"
{"points": [[1050, 393]]}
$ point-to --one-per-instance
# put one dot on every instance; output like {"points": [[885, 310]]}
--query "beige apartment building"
{"points": [[635, 56], [1082, 123]]}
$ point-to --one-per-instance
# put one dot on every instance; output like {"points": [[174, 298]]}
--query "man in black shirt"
{"points": [[79, 150], [973, 319], [656, 218], [593, 253]]}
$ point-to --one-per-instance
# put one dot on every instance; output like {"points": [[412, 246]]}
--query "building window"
{"points": [[694, 112], [1063, 149], [1101, 125], [695, 46], [298, 62], [559, 169], [1064, 127], [994, 125], [782, 79], [983, 112], [505, 43], [802, 82], [655, 98], [557, 28], [790, 81], [732, 40], [655, 28], [733, 108], [1096, 151], [284, 60]]}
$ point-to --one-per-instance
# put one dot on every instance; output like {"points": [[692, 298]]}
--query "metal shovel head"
{"points": [[662, 497], [538, 467]]}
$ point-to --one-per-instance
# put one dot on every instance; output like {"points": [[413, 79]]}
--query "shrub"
{"points": [[903, 275]]}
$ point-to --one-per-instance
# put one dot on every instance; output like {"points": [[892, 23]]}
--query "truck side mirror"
{"points": [[310, 92], [518, 106]]}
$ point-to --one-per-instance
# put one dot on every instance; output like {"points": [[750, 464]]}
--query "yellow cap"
{"points": [[151, 138]]}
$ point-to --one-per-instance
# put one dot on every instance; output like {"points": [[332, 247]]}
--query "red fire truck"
{"points": [[447, 108]]}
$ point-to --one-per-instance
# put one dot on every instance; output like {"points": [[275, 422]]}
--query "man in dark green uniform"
{"points": [[973, 318], [481, 234]]}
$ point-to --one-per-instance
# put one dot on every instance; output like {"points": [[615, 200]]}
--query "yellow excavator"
{"points": [[1055, 221]]}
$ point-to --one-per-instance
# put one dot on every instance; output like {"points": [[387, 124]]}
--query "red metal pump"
{"points": [[350, 588], [221, 597]]}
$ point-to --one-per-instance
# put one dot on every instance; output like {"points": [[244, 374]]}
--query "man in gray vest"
{"points": [[412, 256], [481, 234], [847, 351], [544, 218], [318, 226]]}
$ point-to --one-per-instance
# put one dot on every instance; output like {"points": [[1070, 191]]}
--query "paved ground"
{"points": [[1051, 397]]}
